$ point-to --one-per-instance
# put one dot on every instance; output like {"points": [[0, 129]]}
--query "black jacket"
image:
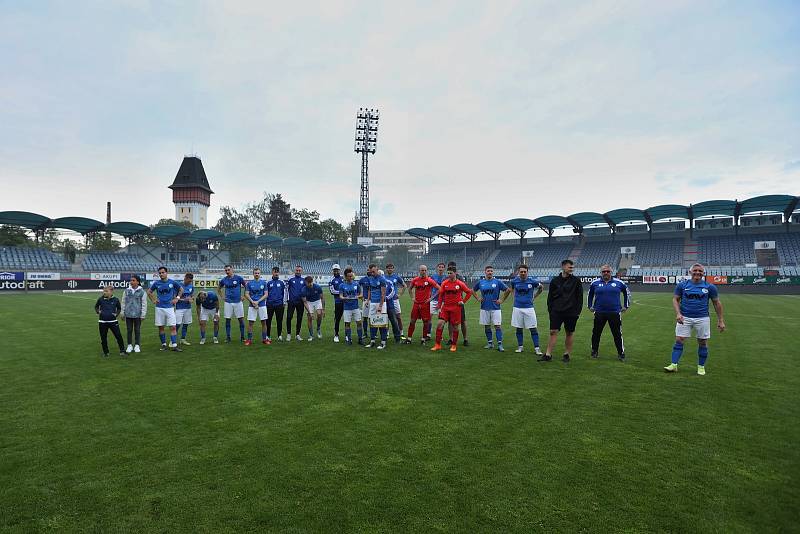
{"points": [[107, 308], [565, 296]]}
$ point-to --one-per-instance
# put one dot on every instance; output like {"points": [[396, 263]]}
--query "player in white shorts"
{"points": [[256, 295], [314, 302], [165, 293], [399, 287], [350, 292], [183, 308], [523, 315], [231, 286], [493, 293], [438, 277]]}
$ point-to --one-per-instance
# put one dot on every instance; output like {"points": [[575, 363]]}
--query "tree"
{"points": [[352, 229], [278, 220], [332, 231], [11, 236], [232, 220], [308, 226], [398, 255], [102, 242]]}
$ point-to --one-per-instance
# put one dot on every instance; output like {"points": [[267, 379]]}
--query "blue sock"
{"points": [[499, 335], [263, 335], [228, 328], [677, 351], [384, 334], [250, 336], [173, 338], [535, 337], [373, 332], [184, 329], [216, 329], [519, 337], [163, 337], [360, 332], [241, 329], [488, 331], [702, 354], [202, 334], [348, 333]]}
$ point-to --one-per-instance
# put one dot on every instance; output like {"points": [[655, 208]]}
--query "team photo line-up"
{"points": [[370, 305]]}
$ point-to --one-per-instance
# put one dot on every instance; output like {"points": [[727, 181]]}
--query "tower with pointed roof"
{"points": [[191, 193]]}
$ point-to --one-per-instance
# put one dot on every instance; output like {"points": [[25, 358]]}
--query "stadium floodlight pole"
{"points": [[366, 142]]}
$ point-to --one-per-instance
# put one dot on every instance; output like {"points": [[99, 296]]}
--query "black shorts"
{"points": [[569, 322]]}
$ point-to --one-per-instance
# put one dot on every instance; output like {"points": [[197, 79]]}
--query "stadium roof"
{"points": [[237, 237], [127, 229], [317, 244], [769, 204], [268, 240], [714, 207], [442, 231], [667, 211], [294, 242], [422, 233], [520, 225], [551, 222], [585, 218], [466, 229], [206, 235], [34, 221], [492, 227], [169, 231], [82, 225]]}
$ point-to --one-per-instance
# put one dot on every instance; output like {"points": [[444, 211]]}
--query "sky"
{"points": [[489, 110]]}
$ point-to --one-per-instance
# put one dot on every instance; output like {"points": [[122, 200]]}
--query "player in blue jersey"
{"points": [[523, 314], [183, 308], [692, 316], [338, 304], [350, 292], [378, 317], [231, 287], [364, 283], [604, 296], [314, 303], [493, 293], [165, 293], [439, 276], [256, 294], [399, 286], [294, 295], [207, 308], [391, 291], [276, 294]]}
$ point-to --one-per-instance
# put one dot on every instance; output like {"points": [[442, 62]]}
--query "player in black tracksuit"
{"points": [[564, 304], [108, 309]]}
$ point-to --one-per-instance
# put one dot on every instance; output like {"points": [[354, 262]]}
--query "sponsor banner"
{"points": [[631, 279], [19, 285], [364, 241], [764, 245], [628, 250], [527, 253], [740, 280], [106, 276], [783, 280], [717, 280], [15, 276], [43, 276], [656, 279]]}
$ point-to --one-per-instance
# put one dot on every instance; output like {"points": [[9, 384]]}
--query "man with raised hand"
{"points": [[399, 286], [231, 285], [338, 304], [314, 303], [183, 308], [490, 289], [420, 289], [208, 308], [276, 293], [564, 304], [256, 295], [690, 301], [164, 293], [451, 303], [603, 302], [294, 291], [350, 292], [523, 315]]}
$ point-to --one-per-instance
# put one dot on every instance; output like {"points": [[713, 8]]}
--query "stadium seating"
{"points": [[117, 262], [31, 258], [656, 252]]}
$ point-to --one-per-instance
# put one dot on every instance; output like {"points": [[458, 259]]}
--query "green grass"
{"points": [[307, 437]]}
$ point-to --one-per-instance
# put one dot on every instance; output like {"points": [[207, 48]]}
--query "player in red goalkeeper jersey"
{"points": [[421, 290], [451, 302]]}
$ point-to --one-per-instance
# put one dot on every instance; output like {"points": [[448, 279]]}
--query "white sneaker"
{"points": [[519, 349], [202, 341], [701, 370], [298, 337], [319, 334], [136, 348], [382, 345], [184, 342], [671, 368], [173, 345], [129, 349], [335, 339], [216, 341], [311, 338], [538, 351]]}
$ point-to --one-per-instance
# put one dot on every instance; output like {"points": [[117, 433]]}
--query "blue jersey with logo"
{"points": [[295, 287], [334, 286], [188, 292], [257, 288], [232, 285], [375, 284], [165, 291], [364, 283], [694, 297], [349, 292], [276, 288], [391, 291], [490, 292], [210, 303], [604, 296], [313, 293], [439, 279], [397, 281], [524, 291]]}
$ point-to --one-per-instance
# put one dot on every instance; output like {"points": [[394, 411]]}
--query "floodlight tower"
{"points": [[366, 143]]}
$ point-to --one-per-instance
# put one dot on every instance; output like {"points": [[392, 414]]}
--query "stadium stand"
{"points": [[31, 258]]}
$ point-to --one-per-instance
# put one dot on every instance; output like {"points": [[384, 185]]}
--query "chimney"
{"points": [[108, 212]]}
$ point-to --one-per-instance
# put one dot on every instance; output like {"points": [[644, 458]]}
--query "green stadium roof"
{"points": [[466, 229], [206, 235], [317, 244], [625, 215], [442, 231], [268, 240], [338, 245], [81, 225], [713, 207], [667, 211], [551, 222], [421, 233], [34, 221], [768, 203], [127, 229], [169, 231], [520, 225], [238, 237], [295, 242], [492, 227], [585, 218]]}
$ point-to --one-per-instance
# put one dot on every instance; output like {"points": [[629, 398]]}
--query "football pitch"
{"points": [[319, 437]]}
